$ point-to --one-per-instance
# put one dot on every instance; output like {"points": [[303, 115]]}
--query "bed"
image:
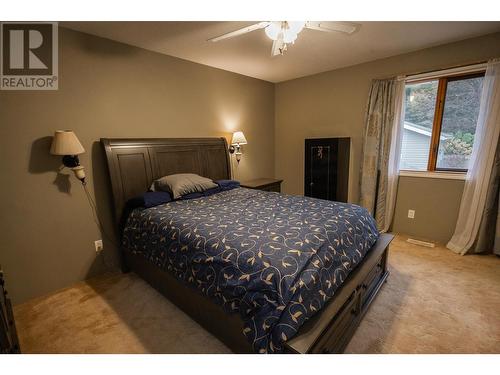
{"points": [[264, 272]]}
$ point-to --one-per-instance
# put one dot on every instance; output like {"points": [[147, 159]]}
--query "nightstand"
{"points": [[265, 184]]}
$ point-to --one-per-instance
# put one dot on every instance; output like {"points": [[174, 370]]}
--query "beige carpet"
{"points": [[434, 302]]}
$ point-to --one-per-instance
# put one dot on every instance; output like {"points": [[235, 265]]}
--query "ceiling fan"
{"points": [[283, 33]]}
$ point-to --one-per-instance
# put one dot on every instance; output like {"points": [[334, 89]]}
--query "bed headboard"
{"points": [[134, 163]]}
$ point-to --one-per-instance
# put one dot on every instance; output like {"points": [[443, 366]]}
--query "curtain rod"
{"points": [[474, 68], [406, 75]]}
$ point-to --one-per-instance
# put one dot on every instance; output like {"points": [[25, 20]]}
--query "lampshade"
{"points": [[239, 139], [65, 142]]}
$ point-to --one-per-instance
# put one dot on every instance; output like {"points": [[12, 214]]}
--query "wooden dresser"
{"points": [[9, 342], [266, 184]]}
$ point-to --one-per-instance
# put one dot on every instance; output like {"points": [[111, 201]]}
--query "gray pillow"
{"points": [[182, 183]]}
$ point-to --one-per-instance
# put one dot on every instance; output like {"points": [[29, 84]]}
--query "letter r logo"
{"points": [[35, 41], [27, 49]]}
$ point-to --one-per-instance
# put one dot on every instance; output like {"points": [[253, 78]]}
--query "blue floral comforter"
{"points": [[275, 259]]}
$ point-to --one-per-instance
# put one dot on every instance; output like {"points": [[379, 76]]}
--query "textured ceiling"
{"points": [[313, 51]]}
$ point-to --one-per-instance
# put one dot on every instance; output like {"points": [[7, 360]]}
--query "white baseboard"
{"points": [[421, 243]]}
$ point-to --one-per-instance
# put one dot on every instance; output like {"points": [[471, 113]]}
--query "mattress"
{"points": [[272, 258]]}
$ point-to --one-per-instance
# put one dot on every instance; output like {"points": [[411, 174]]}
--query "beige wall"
{"points": [[332, 104], [106, 89], [436, 203]]}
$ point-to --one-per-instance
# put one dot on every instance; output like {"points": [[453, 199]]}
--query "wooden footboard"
{"points": [[331, 331], [327, 332]]}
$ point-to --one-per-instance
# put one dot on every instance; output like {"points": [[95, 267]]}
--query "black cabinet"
{"points": [[8, 335], [327, 168]]}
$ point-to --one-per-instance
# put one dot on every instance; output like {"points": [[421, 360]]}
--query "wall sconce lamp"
{"points": [[66, 143], [238, 140]]}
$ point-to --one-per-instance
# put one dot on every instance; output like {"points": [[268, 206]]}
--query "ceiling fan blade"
{"points": [[279, 46], [330, 26], [275, 51], [245, 30]]}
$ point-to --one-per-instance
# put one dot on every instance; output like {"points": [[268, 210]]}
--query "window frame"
{"points": [[438, 116]]}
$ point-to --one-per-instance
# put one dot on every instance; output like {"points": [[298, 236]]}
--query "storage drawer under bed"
{"points": [[368, 287], [332, 341], [344, 323]]}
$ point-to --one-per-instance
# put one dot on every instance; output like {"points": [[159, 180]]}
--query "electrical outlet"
{"points": [[411, 214], [98, 246]]}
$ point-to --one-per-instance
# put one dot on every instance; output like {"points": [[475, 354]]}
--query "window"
{"points": [[440, 123]]}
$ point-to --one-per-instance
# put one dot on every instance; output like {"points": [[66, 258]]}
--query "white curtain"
{"points": [[381, 149], [480, 164]]}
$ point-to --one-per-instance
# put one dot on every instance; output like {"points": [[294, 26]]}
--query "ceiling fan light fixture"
{"points": [[290, 30], [273, 30], [289, 37], [296, 27]]}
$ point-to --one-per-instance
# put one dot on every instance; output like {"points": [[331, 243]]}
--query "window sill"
{"points": [[426, 174]]}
